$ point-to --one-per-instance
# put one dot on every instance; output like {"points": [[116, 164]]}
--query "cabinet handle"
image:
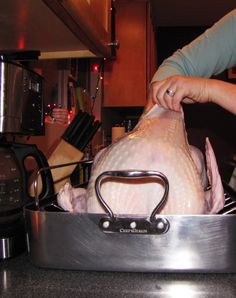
{"points": [[115, 44]]}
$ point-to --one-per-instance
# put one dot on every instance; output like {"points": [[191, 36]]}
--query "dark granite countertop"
{"points": [[20, 278]]}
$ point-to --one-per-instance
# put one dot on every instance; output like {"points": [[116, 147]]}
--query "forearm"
{"points": [[222, 94]]}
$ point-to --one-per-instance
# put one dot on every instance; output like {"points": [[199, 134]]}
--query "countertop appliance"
{"points": [[21, 102], [21, 113], [14, 194]]}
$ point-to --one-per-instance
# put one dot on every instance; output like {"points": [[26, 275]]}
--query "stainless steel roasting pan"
{"points": [[105, 242]]}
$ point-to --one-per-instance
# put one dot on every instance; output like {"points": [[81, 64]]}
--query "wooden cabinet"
{"points": [[89, 20], [56, 28], [127, 77]]}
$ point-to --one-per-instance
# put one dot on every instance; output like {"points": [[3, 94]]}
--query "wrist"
{"points": [[208, 87], [211, 90]]}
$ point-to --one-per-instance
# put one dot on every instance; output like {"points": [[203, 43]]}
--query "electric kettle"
{"points": [[14, 193]]}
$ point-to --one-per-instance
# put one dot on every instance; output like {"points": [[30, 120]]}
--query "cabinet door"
{"points": [[125, 78], [89, 20]]}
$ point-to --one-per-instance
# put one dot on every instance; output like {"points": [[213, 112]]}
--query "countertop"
{"points": [[20, 278]]}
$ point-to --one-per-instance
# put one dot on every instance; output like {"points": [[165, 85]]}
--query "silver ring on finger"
{"points": [[170, 92]]}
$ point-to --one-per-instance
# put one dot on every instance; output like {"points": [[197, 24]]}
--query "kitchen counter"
{"points": [[20, 278]]}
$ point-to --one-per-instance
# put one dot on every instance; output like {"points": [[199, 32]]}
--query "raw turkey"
{"points": [[157, 143]]}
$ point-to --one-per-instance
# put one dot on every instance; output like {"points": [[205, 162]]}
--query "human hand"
{"points": [[60, 115], [170, 92]]}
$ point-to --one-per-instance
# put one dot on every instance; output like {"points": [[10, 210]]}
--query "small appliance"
{"points": [[21, 102], [21, 113]]}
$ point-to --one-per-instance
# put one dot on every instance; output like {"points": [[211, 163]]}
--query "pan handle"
{"points": [[132, 174], [36, 180]]}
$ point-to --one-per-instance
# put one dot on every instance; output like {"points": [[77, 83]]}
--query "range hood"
{"points": [[57, 29]]}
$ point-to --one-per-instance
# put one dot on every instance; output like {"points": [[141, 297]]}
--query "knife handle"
{"points": [[89, 135], [82, 131], [74, 126]]}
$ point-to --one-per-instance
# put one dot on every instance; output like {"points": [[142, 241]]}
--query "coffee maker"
{"points": [[21, 113]]}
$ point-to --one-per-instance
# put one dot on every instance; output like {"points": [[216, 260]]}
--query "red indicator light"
{"points": [[21, 43], [95, 67]]}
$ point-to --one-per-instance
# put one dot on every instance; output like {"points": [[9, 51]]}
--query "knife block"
{"points": [[62, 154], [69, 148]]}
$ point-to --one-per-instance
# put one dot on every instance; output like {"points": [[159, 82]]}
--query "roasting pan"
{"points": [[155, 243]]}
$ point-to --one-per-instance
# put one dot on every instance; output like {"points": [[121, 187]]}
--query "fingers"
{"points": [[156, 93], [60, 115], [172, 97], [171, 92], [166, 94]]}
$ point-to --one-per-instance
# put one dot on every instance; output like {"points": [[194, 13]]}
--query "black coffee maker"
{"points": [[14, 194], [21, 113]]}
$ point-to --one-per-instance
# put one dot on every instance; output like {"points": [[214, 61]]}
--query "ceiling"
{"points": [[189, 12]]}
